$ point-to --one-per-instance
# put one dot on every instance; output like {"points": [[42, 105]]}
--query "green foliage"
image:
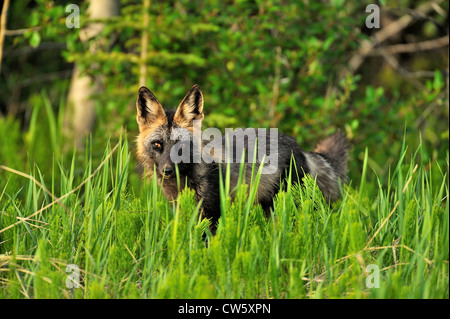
{"points": [[11, 151]]}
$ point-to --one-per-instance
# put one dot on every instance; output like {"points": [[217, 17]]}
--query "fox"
{"points": [[156, 142]]}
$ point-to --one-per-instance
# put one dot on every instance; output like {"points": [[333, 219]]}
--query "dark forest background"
{"points": [[306, 67]]}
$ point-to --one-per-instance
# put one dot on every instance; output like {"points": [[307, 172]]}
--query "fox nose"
{"points": [[168, 171]]}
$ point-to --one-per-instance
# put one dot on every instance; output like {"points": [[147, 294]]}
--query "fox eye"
{"points": [[157, 145]]}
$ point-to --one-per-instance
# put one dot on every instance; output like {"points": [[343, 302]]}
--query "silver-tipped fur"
{"points": [[328, 164]]}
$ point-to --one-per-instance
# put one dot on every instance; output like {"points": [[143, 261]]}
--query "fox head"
{"points": [[157, 129]]}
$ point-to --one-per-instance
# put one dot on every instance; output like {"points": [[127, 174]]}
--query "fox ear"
{"points": [[190, 109], [149, 110]]}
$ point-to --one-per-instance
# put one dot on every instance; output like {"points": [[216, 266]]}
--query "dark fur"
{"points": [[328, 164]]}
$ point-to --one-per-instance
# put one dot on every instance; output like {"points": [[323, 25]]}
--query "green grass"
{"points": [[131, 244]]}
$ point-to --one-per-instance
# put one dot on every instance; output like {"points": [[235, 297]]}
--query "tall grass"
{"points": [[138, 245]]}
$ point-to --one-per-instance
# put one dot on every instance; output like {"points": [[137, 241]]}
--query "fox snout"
{"points": [[167, 171]]}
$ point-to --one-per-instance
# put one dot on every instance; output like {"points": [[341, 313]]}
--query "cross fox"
{"points": [[155, 152]]}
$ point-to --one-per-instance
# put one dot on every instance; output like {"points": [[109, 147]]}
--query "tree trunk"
{"points": [[80, 116]]}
